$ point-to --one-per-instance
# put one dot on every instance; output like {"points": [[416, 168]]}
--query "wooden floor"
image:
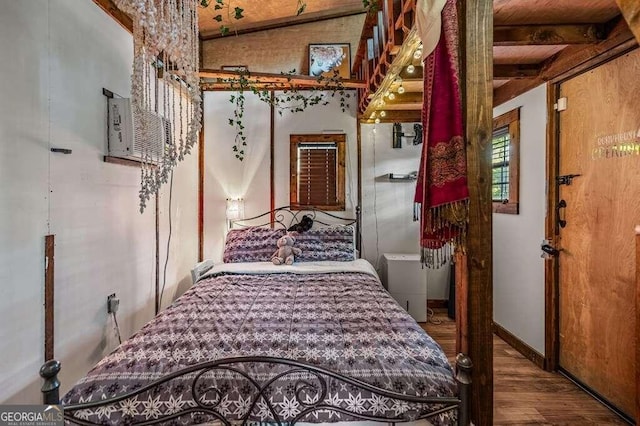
{"points": [[525, 394]]}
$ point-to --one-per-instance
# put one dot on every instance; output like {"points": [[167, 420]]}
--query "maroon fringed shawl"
{"points": [[442, 178]]}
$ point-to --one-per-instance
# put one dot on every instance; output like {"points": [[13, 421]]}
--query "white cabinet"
{"points": [[406, 281]]}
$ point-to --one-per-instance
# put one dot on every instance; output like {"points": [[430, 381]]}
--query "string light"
{"points": [[377, 121], [401, 90], [411, 69], [383, 114], [417, 54], [392, 96]]}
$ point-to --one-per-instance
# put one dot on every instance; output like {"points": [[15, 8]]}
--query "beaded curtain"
{"points": [[164, 83]]}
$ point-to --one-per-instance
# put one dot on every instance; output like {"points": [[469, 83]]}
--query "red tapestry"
{"points": [[442, 191]]}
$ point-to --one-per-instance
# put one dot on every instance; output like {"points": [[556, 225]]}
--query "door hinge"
{"points": [[561, 104]]}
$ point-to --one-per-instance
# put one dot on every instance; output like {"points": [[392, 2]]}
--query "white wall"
{"points": [[518, 269], [228, 177], [62, 54], [388, 205]]}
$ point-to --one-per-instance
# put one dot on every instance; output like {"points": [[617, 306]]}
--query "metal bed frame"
{"points": [[310, 391]]}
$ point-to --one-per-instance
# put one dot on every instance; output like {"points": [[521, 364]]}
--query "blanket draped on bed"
{"points": [[441, 192], [342, 321]]}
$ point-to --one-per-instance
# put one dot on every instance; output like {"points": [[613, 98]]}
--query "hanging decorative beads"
{"points": [[164, 86]]}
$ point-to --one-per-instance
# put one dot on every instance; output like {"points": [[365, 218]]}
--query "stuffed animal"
{"points": [[286, 251], [305, 224]]}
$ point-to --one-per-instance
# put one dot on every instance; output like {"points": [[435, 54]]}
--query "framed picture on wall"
{"points": [[325, 59]]}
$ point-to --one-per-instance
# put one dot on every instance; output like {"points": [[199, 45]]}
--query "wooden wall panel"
{"points": [[283, 49]]}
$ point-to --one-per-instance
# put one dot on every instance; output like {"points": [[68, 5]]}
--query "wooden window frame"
{"points": [[340, 139], [511, 120]]}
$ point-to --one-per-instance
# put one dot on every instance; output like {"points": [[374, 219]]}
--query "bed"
{"points": [[253, 342]]}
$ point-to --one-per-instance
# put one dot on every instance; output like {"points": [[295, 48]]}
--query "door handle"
{"points": [[561, 221], [549, 251]]}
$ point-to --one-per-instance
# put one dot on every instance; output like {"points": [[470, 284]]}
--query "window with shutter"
{"points": [[317, 171]]}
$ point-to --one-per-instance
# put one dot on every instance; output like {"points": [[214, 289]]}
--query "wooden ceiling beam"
{"points": [[407, 116], [305, 18], [513, 71], [525, 35], [112, 10], [571, 60], [270, 81]]}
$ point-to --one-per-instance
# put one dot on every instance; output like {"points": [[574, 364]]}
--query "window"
{"points": [[505, 162], [317, 171]]}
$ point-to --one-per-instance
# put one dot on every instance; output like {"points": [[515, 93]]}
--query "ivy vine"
{"points": [[291, 98]]}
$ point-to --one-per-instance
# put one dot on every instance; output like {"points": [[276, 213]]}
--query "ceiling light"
{"points": [[383, 114], [401, 90], [417, 54], [377, 121], [411, 69], [392, 96]]}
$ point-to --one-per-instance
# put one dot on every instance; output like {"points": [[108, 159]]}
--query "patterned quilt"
{"points": [[342, 321]]}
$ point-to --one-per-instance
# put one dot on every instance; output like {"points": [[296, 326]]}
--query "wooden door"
{"points": [[600, 141]]}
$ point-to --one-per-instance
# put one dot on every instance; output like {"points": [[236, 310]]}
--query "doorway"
{"points": [[597, 173]]}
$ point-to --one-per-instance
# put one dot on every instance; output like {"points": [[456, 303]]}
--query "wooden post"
{"points": [[476, 42], [272, 149], [462, 292], [201, 166], [49, 261]]}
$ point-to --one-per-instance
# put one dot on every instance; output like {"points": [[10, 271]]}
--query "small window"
{"points": [[505, 162], [317, 171]]}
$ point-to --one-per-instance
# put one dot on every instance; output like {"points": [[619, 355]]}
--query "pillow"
{"points": [[328, 243], [253, 244]]}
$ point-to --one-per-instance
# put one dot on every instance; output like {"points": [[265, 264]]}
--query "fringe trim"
{"points": [[446, 229]]}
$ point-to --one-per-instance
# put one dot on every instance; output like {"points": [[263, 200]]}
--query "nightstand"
{"points": [[406, 281]]}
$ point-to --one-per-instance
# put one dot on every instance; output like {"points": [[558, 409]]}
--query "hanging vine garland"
{"points": [[292, 98]]}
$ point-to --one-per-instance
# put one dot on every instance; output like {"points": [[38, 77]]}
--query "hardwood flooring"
{"points": [[523, 393]]}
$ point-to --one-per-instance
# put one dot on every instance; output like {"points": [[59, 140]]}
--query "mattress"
{"points": [[334, 315]]}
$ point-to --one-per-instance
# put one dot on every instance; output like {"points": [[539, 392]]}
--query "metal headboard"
{"points": [[287, 216]]}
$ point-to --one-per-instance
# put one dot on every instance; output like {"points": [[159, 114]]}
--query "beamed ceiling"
{"points": [[534, 40]]}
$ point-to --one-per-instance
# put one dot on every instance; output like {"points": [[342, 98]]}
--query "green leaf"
{"points": [[238, 13], [224, 30], [218, 18], [218, 7]]}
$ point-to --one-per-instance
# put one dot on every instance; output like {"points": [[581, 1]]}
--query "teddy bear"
{"points": [[286, 251]]}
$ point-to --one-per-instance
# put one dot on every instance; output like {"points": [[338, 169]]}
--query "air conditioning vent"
{"points": [[125, 134]]}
